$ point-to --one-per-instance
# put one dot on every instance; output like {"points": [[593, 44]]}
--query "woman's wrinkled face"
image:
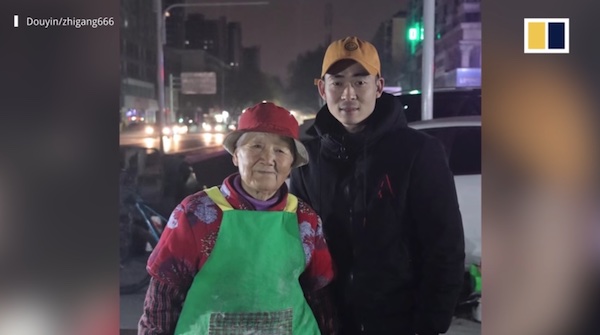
{"points": [[264, 161]]}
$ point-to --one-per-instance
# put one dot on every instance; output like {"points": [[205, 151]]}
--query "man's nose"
{"points": [[348, 93]]}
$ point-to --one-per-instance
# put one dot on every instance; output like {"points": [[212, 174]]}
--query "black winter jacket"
{"points": [[390, 213]]}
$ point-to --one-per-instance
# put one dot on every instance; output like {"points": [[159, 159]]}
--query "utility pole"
{"points": [[427, 62], [160, 73], [171, 105], [223, 88]]}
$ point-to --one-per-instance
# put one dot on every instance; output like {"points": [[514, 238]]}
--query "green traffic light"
{"points": [[412, 34]]}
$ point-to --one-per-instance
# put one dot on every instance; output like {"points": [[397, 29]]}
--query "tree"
{"points": [[248, 86], [301, 93]]}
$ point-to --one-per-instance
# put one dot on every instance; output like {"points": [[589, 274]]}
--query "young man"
{"points": [[387, 200]]}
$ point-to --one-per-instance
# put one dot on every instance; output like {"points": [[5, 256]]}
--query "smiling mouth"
{"points": [[349, 110]]}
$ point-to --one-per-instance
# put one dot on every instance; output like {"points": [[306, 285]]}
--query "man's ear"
{"points": [[380, 82], [234, 158], [321, 87]]}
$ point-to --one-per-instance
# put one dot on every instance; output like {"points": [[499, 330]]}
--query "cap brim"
{"points": [[230, 140], [371, 69], [301, 154]]}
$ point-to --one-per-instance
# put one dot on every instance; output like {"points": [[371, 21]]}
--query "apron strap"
{"points": [[292, 203], [214, 193]]}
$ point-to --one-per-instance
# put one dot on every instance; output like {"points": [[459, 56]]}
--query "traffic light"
{"points": [[412, 34], [416, 33]]}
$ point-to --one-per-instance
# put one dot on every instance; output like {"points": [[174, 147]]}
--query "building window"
{"points": [[475, 57], [473, 17]]}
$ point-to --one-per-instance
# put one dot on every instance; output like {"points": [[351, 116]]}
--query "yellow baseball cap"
{"points": [[355, 49]]}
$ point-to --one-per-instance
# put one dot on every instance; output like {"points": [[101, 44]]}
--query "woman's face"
{"points": [[264, 161]]}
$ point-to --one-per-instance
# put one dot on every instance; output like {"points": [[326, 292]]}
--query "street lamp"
{"points": [[161, 40]]}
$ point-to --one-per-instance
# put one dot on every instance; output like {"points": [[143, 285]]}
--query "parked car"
{"points": [[461, 137], [446, 103]]}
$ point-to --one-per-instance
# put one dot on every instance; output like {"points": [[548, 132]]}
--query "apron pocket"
{"points": [[259, 323]]}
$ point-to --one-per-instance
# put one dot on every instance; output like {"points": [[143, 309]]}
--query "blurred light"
{"points": [[167, 143], [264, 101], [167, 131], [414, 92], [231, 127], [178, 130], [149, 142], [412, 34], [190, 121], [218, 139], [142, 119], [133, 118], [180, 120], [167, 14], [219, 118], [225, 114], [405, 106], [219, 127], [231, 64], [207, 138], [206, 126], [149, 130]]}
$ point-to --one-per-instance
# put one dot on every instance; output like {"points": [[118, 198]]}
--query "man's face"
{"points": [[350, 92]]}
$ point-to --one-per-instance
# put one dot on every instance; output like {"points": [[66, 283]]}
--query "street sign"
{"points": [[198, 83]]}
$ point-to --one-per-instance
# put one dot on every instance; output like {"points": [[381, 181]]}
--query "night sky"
{"points": [[285, 28]]}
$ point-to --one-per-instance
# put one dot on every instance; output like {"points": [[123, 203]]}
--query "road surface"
{"points": [[175, 143]]}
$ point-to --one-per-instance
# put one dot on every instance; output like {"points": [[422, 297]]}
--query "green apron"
{"points": [[249, 284]]}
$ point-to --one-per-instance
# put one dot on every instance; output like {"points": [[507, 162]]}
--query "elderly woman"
{"points": [[240, 258]]}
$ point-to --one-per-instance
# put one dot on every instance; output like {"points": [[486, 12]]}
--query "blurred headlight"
{"points": [[206, 127], [218, 127], [167, 131], [149, 130]]}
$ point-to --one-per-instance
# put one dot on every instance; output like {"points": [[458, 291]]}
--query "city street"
{"points": [[176, 143]]}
